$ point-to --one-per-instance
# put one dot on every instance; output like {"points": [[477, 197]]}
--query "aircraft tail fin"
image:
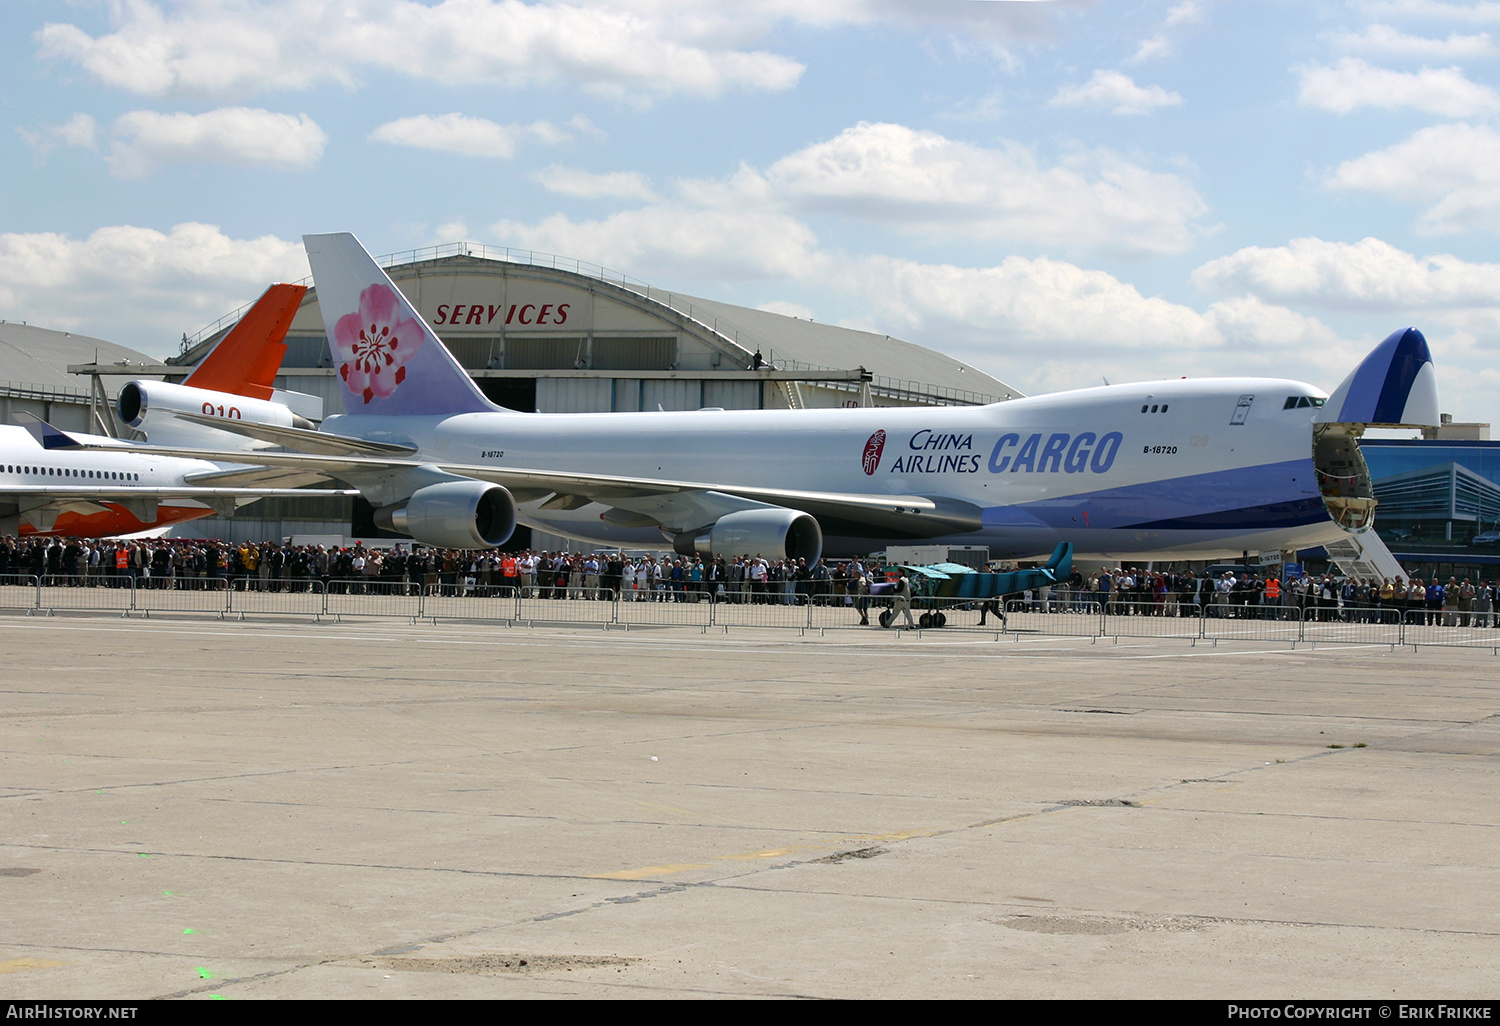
{"points": [[246, 360], [389, 360], [1394, 386], [1061, 562]]}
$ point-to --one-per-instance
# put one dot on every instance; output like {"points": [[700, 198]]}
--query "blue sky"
{"points": [[1055, 192]]}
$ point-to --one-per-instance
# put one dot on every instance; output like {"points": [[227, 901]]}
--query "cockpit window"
{"points": [[1297, 402]]}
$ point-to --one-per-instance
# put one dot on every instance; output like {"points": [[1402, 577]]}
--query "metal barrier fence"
{"points": [[213, 597], [1474, 630], [18, 592], [635, 611], [341, 599], [113, 595], [569, 605], [250, 595], [464, 602]]}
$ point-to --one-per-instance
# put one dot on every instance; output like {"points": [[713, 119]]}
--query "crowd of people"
{"points": [[272, 567], [605, 576], [1313, 597]]}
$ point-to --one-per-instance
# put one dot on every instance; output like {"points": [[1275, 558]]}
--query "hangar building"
{"points": [[547, 334]]}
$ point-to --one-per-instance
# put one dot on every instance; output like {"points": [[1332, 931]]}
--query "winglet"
{"points": [[1394, 386], [389, 360], [47, 436], [246, 360]]}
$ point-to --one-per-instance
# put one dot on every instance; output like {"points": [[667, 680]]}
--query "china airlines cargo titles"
{"points": [[934, 452], [515, 313]]}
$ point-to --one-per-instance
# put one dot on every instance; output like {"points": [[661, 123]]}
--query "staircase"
{"points": [[1365, 555]]}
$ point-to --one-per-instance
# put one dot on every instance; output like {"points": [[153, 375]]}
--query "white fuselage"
{"points": [[1172, 468], [33, 477]]}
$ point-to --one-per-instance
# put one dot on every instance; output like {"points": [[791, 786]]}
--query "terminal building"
{"points": [[545, 334]]}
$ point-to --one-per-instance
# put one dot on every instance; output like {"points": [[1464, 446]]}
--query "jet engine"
{"points": [[148, 406], [775, 533], [453, 515]]}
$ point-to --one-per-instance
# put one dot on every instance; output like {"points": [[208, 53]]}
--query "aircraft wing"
{"points": [[303, 439], [256, 477], [679, 505]]}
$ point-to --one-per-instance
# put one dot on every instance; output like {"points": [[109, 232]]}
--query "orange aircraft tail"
{"points": [[246, 360]]}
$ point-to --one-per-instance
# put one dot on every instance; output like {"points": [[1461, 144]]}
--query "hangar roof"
{"points": [[35, 360], [814, 344]]}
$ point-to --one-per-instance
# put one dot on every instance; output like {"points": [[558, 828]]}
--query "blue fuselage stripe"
{"points": [[1265, 497]]}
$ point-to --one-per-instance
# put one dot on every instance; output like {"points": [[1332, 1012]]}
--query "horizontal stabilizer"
{"points": [[1394, 386], [304, 439], [47, 436]]}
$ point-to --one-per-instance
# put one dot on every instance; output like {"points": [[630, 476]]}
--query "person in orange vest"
{"points": [[122, 565], [1272, 598]]}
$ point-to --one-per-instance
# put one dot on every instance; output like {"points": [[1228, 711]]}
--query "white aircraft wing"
{"points": [[679, 505], [259, 478]]}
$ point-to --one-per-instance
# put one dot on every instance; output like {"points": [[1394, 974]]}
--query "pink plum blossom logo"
{"points": [[376, 343], [873, 448]]}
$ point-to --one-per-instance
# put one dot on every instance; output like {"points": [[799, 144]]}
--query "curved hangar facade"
{"points": [[550, 335], [545, 334]]}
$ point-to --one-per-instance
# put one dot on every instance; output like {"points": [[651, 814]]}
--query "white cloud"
{"points": [[1115, 92], [989, 107], [923, 182], [230, 135], [1369, 274], [1352, 84], [1045, 301], [80, 130], [1479, 13], [748, 223], [449, 231], [1391, 42], [1162, 43], [989, 315], [1012, 317], [677, 240], [1455, 167], [451, 133], [1250, 321], [571, 181], [188, 48], [787, 309], [138, 286]]}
